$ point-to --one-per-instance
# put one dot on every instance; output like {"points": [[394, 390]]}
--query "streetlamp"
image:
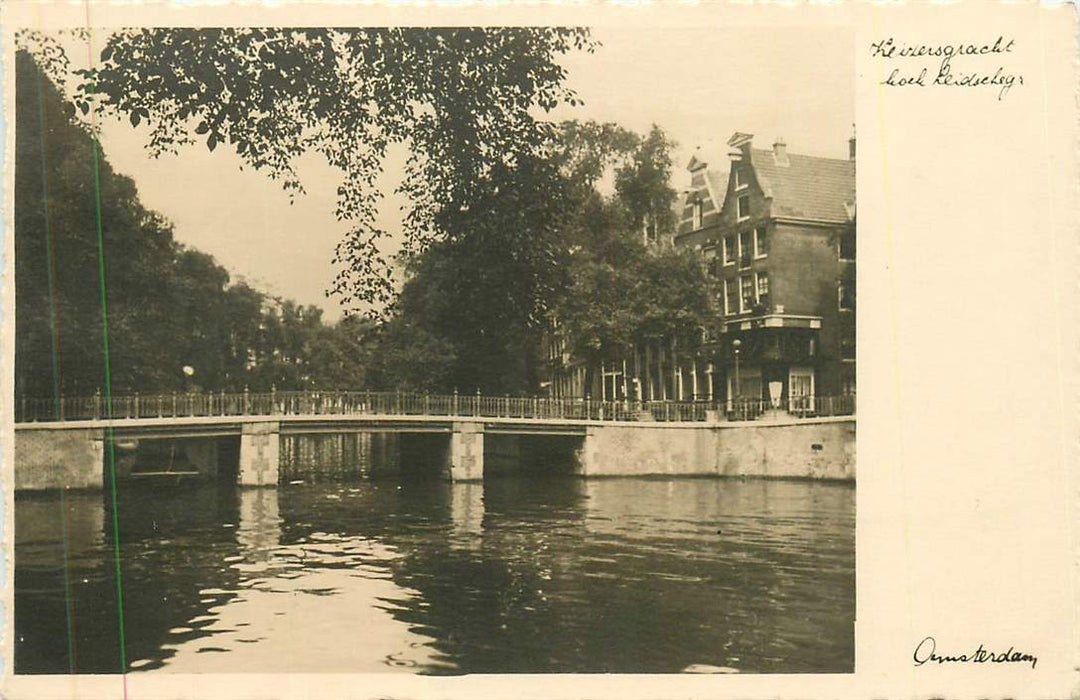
{"points": [[737, 344], [188, 372]]}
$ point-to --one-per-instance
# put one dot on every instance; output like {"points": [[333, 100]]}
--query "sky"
{"points": [[699, 84]]}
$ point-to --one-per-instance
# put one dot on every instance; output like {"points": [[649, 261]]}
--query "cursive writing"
{"points": [[889, 48], [939, 65], [927, 651]]}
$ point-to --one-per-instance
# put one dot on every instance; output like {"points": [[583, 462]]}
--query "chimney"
{"points": [[851, 144], [779, 149]]}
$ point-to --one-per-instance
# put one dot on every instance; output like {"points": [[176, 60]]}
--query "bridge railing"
{"points": [[221, 404]]}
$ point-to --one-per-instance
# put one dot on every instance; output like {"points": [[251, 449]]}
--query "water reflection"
{"points": [[305, 603], [516, 574], [467, 514]]}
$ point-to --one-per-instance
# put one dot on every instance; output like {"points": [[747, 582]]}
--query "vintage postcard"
{"points": [[512, 350]]}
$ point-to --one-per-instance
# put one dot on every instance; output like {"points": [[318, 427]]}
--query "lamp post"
{"points": [[736, 344], [188, 371]]}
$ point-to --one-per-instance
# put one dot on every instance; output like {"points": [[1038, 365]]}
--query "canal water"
{"points": [[349, 568]]}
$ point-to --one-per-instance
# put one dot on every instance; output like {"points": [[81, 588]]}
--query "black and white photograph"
{"points": [[401, 351], [395, 349]]}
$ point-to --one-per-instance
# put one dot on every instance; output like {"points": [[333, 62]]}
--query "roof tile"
{"points": [[810, 187]]}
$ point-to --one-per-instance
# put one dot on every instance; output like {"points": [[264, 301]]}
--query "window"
{"points": [[847, 385], [761, 243], [731, 294], [750, 387], [846, 293], [746, 300], [709, 255], [847, 245], [801, 390], [729, 250], [763, 288], [740, 180], [744, 207], [744, 249], [697, 214]]}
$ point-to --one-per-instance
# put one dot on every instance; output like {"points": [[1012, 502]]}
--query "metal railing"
{"points": [[796, 406], [221, 404]]}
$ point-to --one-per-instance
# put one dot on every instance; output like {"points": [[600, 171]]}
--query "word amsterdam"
{"points": [[927, 651]]}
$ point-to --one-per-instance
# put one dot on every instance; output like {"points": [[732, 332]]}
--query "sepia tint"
{"points": [[469, 350]]}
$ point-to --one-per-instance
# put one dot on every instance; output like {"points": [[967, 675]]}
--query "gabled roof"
{"points": [[697, 161], [711, 190], [709, 173], [717, 180], [809, 187], [739, 138]]}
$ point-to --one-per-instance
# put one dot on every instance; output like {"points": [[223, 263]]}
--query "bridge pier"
{"points": [[260, 452], [467, 451]]}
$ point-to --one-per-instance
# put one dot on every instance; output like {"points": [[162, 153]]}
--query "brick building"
{"points": [[777, 231]]}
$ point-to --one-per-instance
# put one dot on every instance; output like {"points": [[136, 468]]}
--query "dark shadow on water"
{"points": [[172, 542]]}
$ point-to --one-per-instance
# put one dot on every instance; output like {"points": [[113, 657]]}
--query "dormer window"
{"points": [[740, 180], [697, 214], [743, 206]]}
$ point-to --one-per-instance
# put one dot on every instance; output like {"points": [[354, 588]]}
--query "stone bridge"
{"points": [[605, 438]]}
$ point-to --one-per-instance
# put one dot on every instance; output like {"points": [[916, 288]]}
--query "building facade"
{"points": [[776, 232]]}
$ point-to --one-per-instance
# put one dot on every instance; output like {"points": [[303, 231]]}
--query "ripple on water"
{"points": [[620, 575]]}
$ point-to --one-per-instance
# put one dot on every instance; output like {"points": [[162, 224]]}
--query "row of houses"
{"points": [[776, 230]]}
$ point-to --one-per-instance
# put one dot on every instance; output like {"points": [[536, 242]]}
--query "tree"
{"points": [[61, 177], [463, 99], [623, 291], [546, 243], [165, 306], [341, 354]]}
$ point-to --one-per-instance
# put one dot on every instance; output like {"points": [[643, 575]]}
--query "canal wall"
{"points": [[822, 448], [49, 459]]}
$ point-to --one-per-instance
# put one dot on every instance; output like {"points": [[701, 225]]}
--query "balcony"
{"points": [[772, 320]]}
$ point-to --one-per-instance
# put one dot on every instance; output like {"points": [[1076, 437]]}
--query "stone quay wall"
{"points": [[821, 448]]}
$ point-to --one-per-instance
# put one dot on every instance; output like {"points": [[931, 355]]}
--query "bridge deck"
{"points": [[206, 426], [209, 426]]}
